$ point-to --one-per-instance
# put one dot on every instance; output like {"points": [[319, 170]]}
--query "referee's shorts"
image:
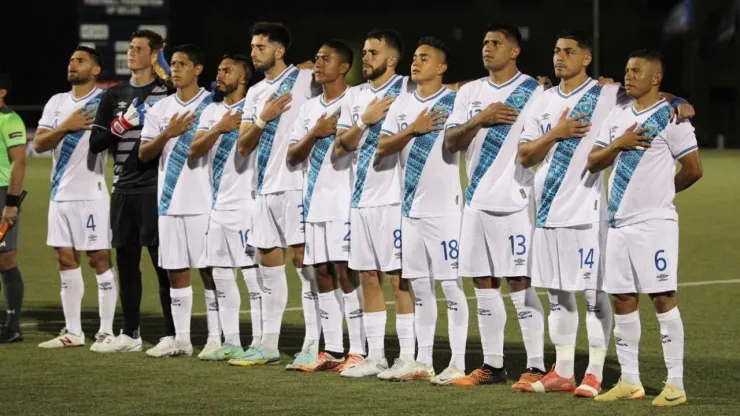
{"points": [[133, 220], [11, 237]]}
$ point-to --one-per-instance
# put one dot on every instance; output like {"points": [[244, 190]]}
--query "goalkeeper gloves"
{"points": [[133, 117]]}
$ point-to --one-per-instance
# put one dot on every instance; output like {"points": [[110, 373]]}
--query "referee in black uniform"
{"points": [[133, 208]]}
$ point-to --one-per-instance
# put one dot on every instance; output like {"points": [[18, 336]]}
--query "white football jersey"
{"points": [[496, 181], [327, 183], [274, 174], [374, 185], [431, 174], [566, 193], [76, 174], [183, 186], [641, 183], [232, 175]]}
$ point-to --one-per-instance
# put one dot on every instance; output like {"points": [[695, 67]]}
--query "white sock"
{"points": [[182, 309], [425, 318], [491, 324], [253, 280], [627, 333], [406, 336], [73, 287], [107, 297], [229, 303], [310, 300], [457, 320], [274, 300], [353, 315], [212, 316], [331, 325], [375, 329], [599, 327], [563, 326], [532, 324], [672, 337]]}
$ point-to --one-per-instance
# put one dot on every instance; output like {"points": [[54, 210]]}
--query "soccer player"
{"points": [[375, 213], [117, 127], [326, 200], [232, 203], [487, 123], [78, 210], [431, 207], [184, 197], [271, 108], [568, 236], [12, 171], [642, 142]]}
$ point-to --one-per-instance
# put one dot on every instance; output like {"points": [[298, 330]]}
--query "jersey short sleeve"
{"points": [[681, 139], [249, 106], [204, 122], [299, 125], [531, 130], [13, 131], [152, 122], [390, 125], [104, 115], [345, 121], [47, 116], [460, 107], [604, 138]]}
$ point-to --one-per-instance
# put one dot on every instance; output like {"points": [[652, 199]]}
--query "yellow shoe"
{"points": [[670, 396], [622, 391]]}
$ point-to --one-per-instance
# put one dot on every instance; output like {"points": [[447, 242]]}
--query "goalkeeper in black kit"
{"points": [[133, 209]]}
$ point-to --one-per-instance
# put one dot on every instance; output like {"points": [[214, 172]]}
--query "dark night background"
{"points": [[38, 38]]}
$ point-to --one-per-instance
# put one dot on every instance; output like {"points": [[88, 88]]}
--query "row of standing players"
{"points": [[281, 165]]}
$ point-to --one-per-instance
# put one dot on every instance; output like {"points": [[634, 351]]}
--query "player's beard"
{"points": [[77, 79], [226, 89], [376, 72], [265, 65]]}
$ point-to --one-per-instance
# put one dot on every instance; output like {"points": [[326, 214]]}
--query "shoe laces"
{"points": [[481, 374], [397, 364], [530, 377]]}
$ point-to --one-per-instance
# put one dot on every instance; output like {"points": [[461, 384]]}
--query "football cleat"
{"points": [[256, 356], [482, 376], [350, 361], [65, 339], [670, 396], [415, 371], [590, 387], [367, 368], [324, 362], [224, 353], [531, 375], [622, 391], [211, 347], [552, 382], [448, 376]]}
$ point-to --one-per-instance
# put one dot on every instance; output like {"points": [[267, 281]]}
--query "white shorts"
{"points": [[182, 241], [82, 225], [642, 258], [375, 234], [432, 246], [227, 239], [278, 220], [327, 241], [495, 245], [568, 258]]}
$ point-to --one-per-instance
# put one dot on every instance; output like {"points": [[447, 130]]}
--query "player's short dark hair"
{"points": [[435, 43], [242, 60], [343, 50], [650, 55], [274, 31], [193, 52], [95, 55], [391, 38], [5, 82], [583, 38], [156, 41], [510, 32]]}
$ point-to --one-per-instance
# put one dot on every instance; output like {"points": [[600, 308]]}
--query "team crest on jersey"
{"points": [[586, 106], [518, 98], [652, 129]]}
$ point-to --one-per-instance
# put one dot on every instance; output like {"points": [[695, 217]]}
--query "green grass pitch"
{"points": [[76, 381]]}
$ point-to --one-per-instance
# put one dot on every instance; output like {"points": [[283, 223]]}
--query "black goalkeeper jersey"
{"points": [[130, 175]]}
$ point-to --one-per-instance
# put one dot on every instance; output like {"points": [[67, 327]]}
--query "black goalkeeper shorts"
{"points": [[133, 220]]}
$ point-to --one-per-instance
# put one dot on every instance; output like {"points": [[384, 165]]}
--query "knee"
{"points": [[485, 283], [401, 286], [664, 302], [99, 261], [518, 284], [66, 260], [297, 256]]}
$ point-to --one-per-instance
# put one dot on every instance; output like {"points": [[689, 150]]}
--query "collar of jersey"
{"points": [[431, 97], [282, 74], [575, 91], [505, 84], [652, 107], [384, 86], [235, 104], [143, 85], [325, 104], [77, 100], [202, 90]]}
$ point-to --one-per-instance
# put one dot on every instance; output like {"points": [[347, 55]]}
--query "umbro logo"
{"points": [[476, 104], [662, 277], [454, 266], [484, 312], [255, 295], [524, 315], [586, 276], [619, 342], [356, 109], [213, 306], [545, 116], [554, 307], [357, 313], [92, 238], [519, 262], [220, 294], [451, 306], [310, 295], [105, 286], [323, 314], [417, 301], [665, 339], [176, 302], [266, 290], [402, 117], [593, 308], [122, 104]]}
